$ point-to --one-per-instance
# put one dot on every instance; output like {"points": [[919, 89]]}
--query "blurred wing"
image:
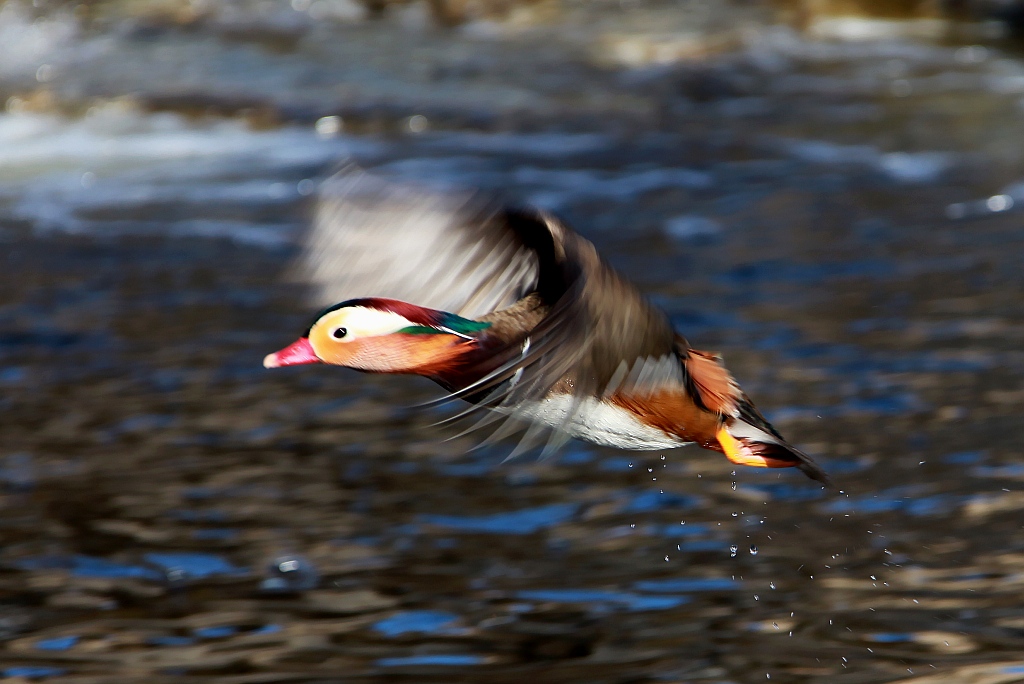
{"points": [[376, 238], [456, 252], [601, 336]]}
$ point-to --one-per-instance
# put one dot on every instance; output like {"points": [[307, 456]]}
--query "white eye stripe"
{"points": [[359, 322]]}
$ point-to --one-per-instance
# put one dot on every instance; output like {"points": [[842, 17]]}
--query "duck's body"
{"points": [[514, 312]]}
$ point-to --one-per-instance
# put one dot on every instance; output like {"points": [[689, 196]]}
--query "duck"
{"points": [[511, 311]]}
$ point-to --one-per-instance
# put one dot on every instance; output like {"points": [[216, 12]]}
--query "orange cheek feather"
{"points": [[395, 353]]}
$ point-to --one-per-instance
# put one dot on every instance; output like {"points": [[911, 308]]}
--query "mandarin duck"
{"points": [[514, 312]]}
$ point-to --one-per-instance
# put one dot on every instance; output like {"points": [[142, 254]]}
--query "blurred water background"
{"points": [[825, 191]]}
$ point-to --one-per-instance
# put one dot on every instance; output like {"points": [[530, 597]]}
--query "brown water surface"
{"points": [[837, 217]]}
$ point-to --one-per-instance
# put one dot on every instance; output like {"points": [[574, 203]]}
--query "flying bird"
{"points": [[514, 312]]}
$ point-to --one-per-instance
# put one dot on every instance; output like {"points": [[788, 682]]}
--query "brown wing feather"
{"points": [[371, 237], [712, 385], [593, 327], [598, 317]]}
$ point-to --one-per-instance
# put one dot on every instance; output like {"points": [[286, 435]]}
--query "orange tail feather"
{"points": [[751, 452]]}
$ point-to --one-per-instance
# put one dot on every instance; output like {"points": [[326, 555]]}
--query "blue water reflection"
{"points": [[525, 521], [903, 499], [32, 671], [785, 491], [965, 457], [193, 565], [604, 599], [218, 632], [88, 566], [616, 464], [57, 643], [655, 501], [890, 637], [691, 530], [442, 660], [411, 621]]}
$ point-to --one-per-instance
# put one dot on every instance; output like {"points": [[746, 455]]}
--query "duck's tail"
{"points": [[743, 435], [750, 440]]}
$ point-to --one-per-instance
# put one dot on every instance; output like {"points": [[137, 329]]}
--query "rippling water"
{"points": [[833, 206]]}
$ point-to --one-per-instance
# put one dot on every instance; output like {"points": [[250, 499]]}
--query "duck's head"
{"points": [[382, 336]]}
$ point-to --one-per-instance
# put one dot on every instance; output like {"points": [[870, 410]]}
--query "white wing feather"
{"points": [[377, 238]]}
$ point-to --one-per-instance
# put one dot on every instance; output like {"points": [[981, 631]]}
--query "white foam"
{"points": [[903, 167], [692, 227], [27, 43], [61, 174]]}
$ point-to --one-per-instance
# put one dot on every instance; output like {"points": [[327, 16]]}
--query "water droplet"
{"points": [[630, 464], [771, 585], [734, 514], [734, 486], [775, 625], [733, 473], [732, 550], [290, 573], [417, 123], [756, 597], [329, 126], [650, 470], [997, 203], [753, 550], [663, 457], [666, 558]]}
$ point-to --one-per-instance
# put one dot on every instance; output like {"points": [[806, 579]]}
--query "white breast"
{"points": [[600, 423]]}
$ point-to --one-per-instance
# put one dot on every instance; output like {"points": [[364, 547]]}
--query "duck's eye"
{"points": [[339, 333]]}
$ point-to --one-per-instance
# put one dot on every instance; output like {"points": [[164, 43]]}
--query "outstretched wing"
{"points": [[599, 335], [375, 238], [461, 253]]}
